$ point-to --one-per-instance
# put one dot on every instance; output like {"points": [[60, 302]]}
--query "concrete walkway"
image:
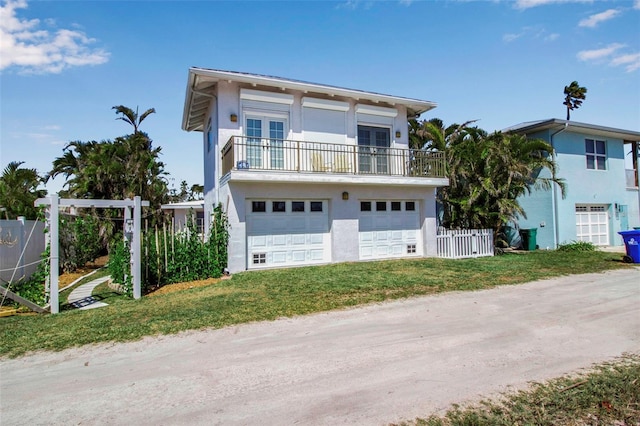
{"points": [[81, 297]]}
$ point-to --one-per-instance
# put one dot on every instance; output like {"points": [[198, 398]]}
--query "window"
{"points": [[259, 258], [381, 206], [297, 206], [410, 206], [411, 248], [278, 206], [316, 206], [396, 206], [596, 154], [365, 206], [258, 206], [265, 142], [372, 149]]}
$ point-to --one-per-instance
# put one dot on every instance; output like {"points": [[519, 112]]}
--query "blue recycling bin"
{"points": [[632, 245]]}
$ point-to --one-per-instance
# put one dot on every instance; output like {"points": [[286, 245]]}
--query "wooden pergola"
{"points": [[132, 216]]}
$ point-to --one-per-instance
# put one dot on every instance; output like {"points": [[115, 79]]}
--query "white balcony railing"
{"points": [[246, 153]]}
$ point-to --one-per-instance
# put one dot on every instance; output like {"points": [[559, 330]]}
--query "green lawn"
{"points": [[267, 295]]}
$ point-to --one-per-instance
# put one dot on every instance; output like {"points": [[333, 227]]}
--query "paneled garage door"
{"points": [[287, 233], [592, 224], [389, 229]]}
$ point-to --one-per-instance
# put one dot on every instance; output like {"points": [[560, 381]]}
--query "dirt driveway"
{"points": [[369, 366]]}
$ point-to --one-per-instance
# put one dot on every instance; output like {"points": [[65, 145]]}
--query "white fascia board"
{"points": [[374, 110], [257, 95], [331, 178], [325, 104]]}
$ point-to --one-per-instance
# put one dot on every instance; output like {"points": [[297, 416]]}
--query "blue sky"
{"points": [[64, 64]]}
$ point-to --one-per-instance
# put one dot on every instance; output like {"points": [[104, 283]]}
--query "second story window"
{"points": [[596, 154]]}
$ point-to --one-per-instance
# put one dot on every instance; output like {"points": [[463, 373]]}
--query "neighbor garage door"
{"points": [[389, 229], [287, 233], [592, 224]]}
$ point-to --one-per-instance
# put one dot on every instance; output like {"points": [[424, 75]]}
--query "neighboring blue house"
{"points": [[600, 167]]}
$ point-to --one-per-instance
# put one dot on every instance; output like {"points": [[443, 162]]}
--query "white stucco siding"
{"points": [[343, 215]]}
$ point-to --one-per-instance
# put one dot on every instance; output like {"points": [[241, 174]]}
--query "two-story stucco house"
{"points": [[600, 167], [310, 173]]}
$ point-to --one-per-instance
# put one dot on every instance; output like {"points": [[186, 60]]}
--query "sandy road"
{"points": [[371, 365]]}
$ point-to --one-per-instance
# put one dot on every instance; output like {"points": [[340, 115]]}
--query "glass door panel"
{"points": [[276, 142], [254, 143], [373, 149]]}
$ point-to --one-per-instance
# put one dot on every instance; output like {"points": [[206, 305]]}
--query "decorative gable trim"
{"points": [[276, 98]]}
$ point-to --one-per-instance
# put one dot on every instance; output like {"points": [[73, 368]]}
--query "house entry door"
{"points": [[373, 149], [265, 143]]}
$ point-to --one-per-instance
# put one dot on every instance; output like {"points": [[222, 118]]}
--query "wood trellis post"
{"points": [[54, 203]]}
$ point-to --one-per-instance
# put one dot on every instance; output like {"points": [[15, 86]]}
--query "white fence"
{"points": [[14, 240], [464, 243]]}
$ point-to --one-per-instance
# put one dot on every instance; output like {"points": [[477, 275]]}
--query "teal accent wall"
{"points": [[584, 186]]}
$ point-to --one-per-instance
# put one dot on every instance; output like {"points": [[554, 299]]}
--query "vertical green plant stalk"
{"points": [[219, 241], [119, 265]]}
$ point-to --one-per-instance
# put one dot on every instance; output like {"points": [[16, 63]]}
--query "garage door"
{"points": [[389, 229], [592, 224], [287, 233]]}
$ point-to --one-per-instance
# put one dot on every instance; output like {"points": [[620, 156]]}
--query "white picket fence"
{"points": [[464, 243]]}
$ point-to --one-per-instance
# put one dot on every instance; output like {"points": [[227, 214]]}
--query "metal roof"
{"points": [[592, 129], [202, 82]]}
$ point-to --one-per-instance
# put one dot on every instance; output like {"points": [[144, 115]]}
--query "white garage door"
{"points": [[287, 232], [592, 224], [389, 229]]}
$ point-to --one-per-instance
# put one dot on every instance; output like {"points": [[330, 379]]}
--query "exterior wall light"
{"points": [[233, 118], [345, 195], [398, 134]]}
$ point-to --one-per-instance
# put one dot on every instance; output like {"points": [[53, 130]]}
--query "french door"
{"points": [[373, 149], [265, 142]]}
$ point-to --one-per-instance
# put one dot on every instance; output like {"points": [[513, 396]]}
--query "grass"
{"points": [[608, 394], [267, 295]]}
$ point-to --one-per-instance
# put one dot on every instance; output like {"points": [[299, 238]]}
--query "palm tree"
{"points": [[574, 94], [487, 173], [19, 190], [132, 117]]}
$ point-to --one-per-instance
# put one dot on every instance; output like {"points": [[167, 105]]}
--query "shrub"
{"points": [[79, 241], [577, 246]]}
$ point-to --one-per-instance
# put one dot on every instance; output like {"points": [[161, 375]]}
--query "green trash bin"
{"points": [[528, 237]]}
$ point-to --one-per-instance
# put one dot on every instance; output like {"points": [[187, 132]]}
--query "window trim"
{"points": [[595, 155]]}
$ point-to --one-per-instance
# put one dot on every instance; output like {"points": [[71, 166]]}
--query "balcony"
{"points": [[248, 154]]}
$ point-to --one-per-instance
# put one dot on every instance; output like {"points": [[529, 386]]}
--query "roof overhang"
{"points": [[202, 84], [184, 205], [591, 129]]}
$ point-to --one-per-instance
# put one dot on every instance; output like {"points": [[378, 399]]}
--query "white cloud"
{"points": [[631, 61], [32, 50], [636, 4], [527, 4], [511, 37], [610, 55], [593, 20], [597, 54], [535, 32]]}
